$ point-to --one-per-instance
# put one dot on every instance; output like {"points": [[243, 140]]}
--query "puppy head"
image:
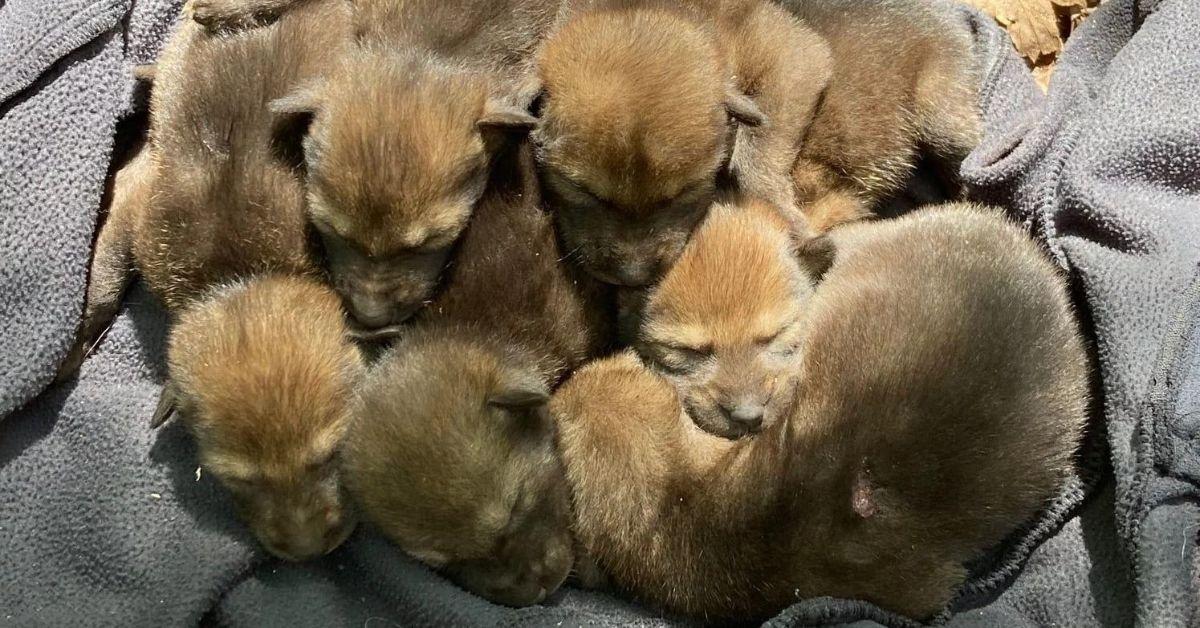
{"points": [[637, 120], [452, 456], [262, 373], [398, 152], [725, 323]]}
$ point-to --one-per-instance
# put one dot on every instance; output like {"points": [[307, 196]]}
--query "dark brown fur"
{"points": [[263, 374], [943, 395], [903, 82], [208, 198], [643, 102], [452, 455]]}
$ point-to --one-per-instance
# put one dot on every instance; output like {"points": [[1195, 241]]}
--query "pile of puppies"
{"points": [[388, 231]]}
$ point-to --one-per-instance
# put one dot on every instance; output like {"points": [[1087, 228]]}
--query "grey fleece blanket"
{"points": [[103, 523]]}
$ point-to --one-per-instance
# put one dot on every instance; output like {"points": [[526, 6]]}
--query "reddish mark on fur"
{"points": [[862, 495]]}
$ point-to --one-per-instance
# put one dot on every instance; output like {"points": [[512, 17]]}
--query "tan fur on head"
{"points": [[736, 281], [264, 374], [724, 322], [393, 150], [634, 105], [399, 152]]}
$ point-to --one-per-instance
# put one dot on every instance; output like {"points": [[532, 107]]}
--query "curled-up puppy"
{"points": [[263, 373], [725, 323], [401, 137], [649, 106], [452, 455], [904, 83], [943, 394], [212, 195]]}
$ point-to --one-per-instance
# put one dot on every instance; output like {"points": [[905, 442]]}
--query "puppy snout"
{"points": [[306, 534], [746, 415], [370, 308]]}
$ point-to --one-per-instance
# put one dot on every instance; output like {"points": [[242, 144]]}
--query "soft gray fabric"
{"points": [[103, 522]]}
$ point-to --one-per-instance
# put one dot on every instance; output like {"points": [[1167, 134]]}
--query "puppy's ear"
{"points": [[520, 392], [294, 114], [525, 399], [505, 118], [520, 396], [168, 403], [509, 120], [145, 73], [816, 255], [305, 100], [503, 124], [742, 109]]}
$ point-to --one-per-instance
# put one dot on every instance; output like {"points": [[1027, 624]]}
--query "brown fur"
{"points": [[208, 198], [724, 323], [402, 136], [263, 374], [452, 455], [903, 82], [232, 15], [496, 35], [642, 101], [943, 395]]}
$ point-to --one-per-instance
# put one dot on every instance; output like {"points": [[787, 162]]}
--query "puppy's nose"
{"points": [[748, 416], [370, 310]]}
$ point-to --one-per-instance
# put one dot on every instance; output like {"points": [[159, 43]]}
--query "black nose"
{"points": [[748, 416]]}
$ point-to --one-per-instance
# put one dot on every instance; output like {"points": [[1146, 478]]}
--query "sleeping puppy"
{"points": [[210, 197], [916, 439], [904, 83], [725, 322], [399, 137], [649, 106], [452, 454], [262, 372]]}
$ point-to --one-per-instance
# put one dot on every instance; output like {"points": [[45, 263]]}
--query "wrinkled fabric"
{"points": [[106, 523]]}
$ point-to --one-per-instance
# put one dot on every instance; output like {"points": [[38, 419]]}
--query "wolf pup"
{"points": [[263, 373], [904, 83], [648, 107], [452, 454], [399, 138], [210, 197], [724, 324], [942, 396]]}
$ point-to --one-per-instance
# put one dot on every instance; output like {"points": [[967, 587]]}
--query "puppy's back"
{"points": [[227, 200], [944, 370], [960, 325]]}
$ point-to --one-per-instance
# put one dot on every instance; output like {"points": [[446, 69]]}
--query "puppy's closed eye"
{"points": [[678, 359]]}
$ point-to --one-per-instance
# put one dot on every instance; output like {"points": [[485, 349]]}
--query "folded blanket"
{"points": [[105, 523]]}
